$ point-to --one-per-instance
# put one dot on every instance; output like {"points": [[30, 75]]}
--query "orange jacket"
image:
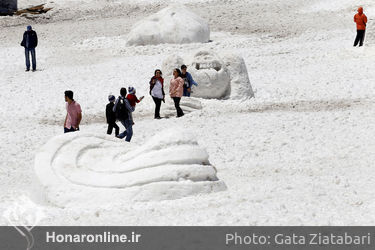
{"points": [[360, 19]]}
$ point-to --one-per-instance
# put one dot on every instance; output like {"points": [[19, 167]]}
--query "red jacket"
{"points": [[133, 100], [360, 19]]}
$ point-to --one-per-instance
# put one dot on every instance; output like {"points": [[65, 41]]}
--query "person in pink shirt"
{"points": [[176, 89], [74, 113]]}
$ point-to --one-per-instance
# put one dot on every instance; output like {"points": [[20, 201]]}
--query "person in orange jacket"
{"points": [[360, 19]]}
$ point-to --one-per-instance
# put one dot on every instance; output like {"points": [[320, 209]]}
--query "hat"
{"points": [[131, 90], [29, 27], [111, 98]]}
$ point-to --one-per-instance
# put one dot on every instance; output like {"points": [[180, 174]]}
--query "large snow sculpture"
{"points": [[174, 24], [221, 75], [89, 169]]}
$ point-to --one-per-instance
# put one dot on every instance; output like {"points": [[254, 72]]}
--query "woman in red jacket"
{"points": [[360, 19], [176, 89]]}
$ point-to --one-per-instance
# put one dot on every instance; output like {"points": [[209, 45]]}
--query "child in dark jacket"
{"points": [[132, 98], [111, 116]]}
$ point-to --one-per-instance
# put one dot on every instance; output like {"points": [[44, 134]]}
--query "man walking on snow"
{"points": [[123, 111], [360, 19], [188, 80], [30, 41], [73, 113]]}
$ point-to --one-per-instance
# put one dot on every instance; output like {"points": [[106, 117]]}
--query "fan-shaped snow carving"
{"points": [[90, 169], [221, 75], [174, 24]]}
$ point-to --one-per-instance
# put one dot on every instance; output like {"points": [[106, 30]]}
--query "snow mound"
{"points": [[174, 24], [219, 75], [88, 169], [188, 105]]}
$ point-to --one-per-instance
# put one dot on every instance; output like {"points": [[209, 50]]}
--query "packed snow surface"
{"points": [[219, 75], [170, 165], [174, 24], [189, 105], [301, 152]]}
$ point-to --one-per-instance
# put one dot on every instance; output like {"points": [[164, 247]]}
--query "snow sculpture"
{"points": [[174, 24], [221, 75], [86, 169], [188, 105]]}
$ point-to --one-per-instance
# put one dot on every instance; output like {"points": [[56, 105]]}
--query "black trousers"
{"points": [[110, 128], [177, 105], [157, 106], [71, 129], [360, 37]]}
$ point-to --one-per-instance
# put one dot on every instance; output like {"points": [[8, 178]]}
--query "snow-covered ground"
{"points": [[299, 153]]}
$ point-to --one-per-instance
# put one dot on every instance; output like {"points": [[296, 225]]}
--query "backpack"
{"points": [[122, 112]]}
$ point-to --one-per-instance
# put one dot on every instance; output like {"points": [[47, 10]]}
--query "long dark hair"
{"points": [[156, 70], [178, 71]]}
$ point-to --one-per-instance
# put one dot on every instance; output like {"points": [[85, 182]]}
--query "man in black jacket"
{"points": [[30, 41]]}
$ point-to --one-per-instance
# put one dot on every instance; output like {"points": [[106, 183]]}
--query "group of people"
{"points": [[121, 109], [180, 85]]}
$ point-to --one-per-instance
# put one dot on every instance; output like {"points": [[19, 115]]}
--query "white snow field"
{"points": [[174, 24], [301, 152], [169, 166]]}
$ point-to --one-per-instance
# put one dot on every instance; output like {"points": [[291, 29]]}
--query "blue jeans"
{"points": [[128, 124], [33, 58], [186, 92]]}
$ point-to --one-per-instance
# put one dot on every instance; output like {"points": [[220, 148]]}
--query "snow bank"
{"points": [[188, 105], [88, 169], [174, 24], [333, 5], [221, 75]]}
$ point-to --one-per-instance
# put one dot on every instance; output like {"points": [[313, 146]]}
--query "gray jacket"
{"points": [[128, 106]]}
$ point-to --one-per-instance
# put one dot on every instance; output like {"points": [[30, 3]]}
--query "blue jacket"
{"points": [[30, 39], [190, 80]]}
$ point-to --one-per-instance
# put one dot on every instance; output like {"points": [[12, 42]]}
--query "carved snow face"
{"points": [[209, 71], [219, 75]]}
